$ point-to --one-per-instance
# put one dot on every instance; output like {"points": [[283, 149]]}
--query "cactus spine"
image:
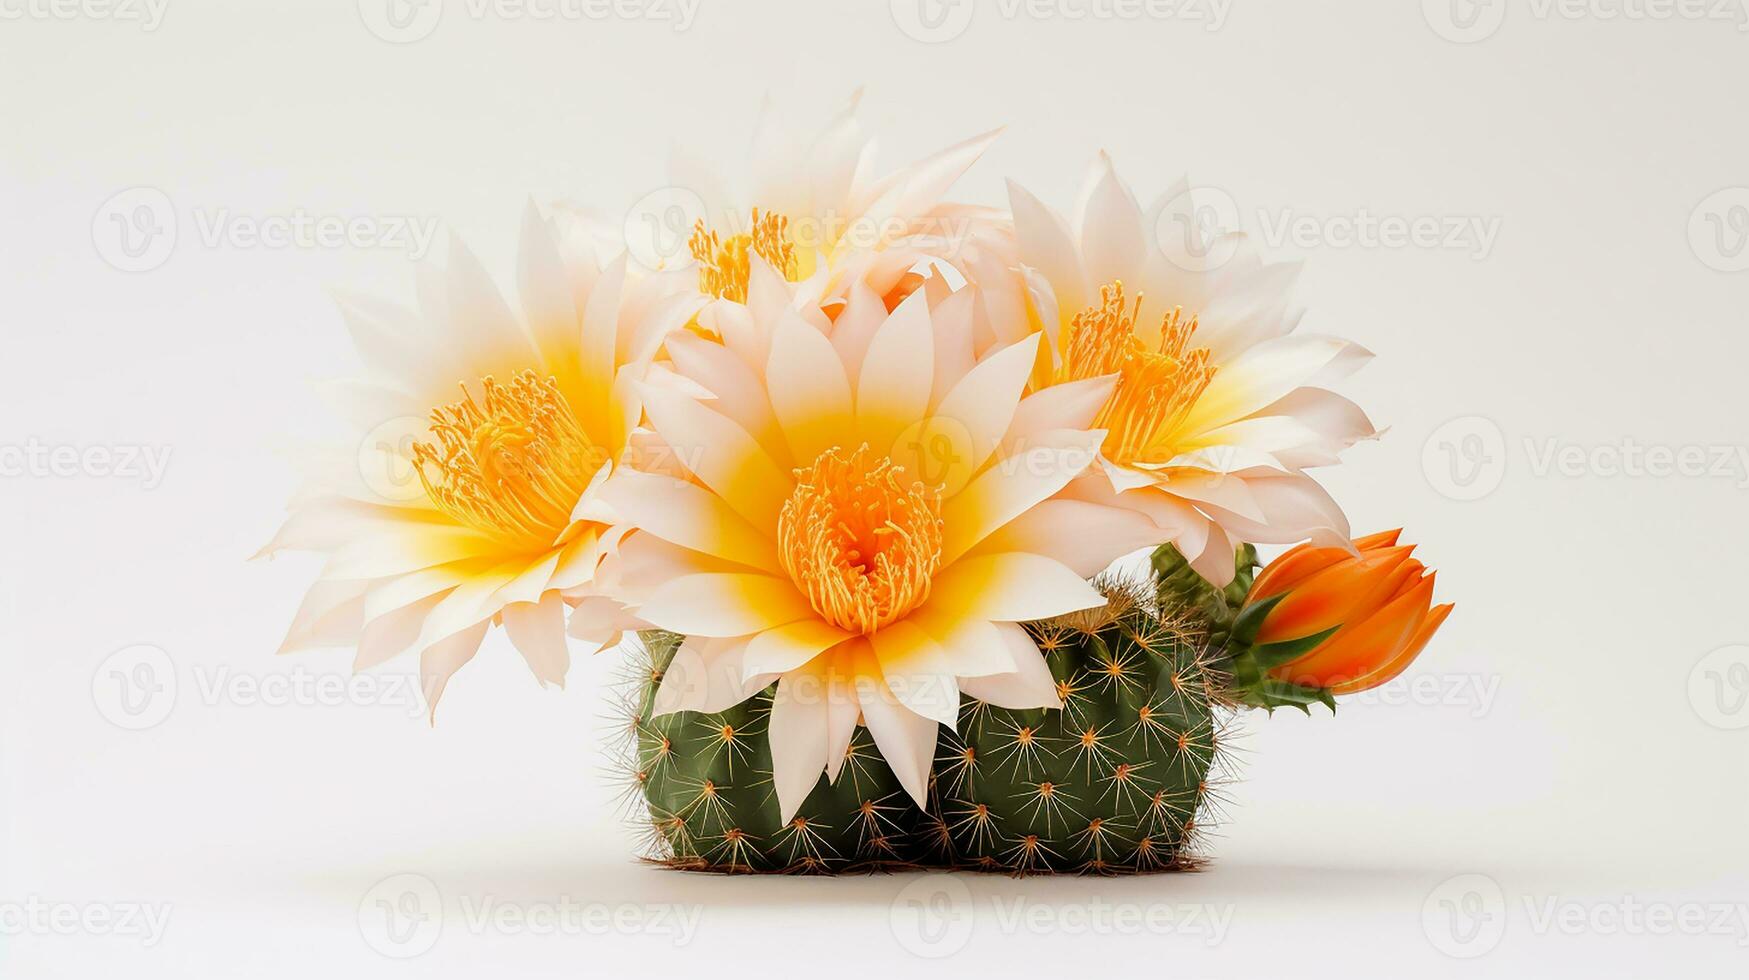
{"points": [[1118, 780], [706, 802]]}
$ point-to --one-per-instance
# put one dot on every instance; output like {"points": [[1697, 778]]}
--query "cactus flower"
{"points": [[1341, 621]]}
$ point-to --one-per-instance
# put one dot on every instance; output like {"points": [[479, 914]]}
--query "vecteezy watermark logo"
{"points": [[1718, 688], [1474, 693], [385, 458], [1469, 21], [1464, 21], [300, 228], [659, 226], [567, 916], [933, 21], [1472, 233], [406, 21], [1465, 459], [35, 459], [147, 13], [1198, 230], [135, 687], [936, 21], [135, 230], [932, 916], [401, 21], [1465, 916], [34, 916], [1718, 230], [402, 916]]}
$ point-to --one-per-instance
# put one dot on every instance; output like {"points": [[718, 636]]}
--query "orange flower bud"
{"points": [[1341, 621]]}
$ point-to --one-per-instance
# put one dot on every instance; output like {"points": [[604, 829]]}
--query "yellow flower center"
{"points": [[723, 266], [1156, 389], [858, 541], [512, 465]]}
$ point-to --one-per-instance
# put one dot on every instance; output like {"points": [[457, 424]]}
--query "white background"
{"points": [[1575, 745]]}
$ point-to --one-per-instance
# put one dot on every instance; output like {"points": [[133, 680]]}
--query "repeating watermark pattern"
{"points": [[401, 916], [1472, 693], [406, 915], [1718, 230], [39, 460], [658, 229], [385, 458], [940, 21], [1718, 688], [1199, 230], [303, 229], [1467, 459], [1472, 234], [149, 14], [407, 21], [1465, 916], [137, 230], [135, 687], [1469, 915], [935, 916], [144, 922], [1470, 21], [139, 687]]}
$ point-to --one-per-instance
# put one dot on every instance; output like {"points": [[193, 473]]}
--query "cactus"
{"points": [[700, 786], [1182, 589], [1117, 780]]}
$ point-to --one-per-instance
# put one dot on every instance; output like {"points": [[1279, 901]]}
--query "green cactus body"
{"points": [[703, 790], [1115, 781]]}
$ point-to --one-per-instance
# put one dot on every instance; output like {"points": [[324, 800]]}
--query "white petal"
{"points": [[537, 630], [705, 676], [905, 739], [1010, 587], [1029, 686], [897, 375], [439, 662], [798, 741], [810, 393]]}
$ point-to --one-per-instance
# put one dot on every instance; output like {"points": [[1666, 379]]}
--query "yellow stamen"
{"points": [[859, 542], [512, 465], [723, 266], [1156, 389]]}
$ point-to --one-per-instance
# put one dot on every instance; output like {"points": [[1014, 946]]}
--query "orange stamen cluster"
{"points": [[861, 543], [1156, 388], [723, 264], [511, 465]]}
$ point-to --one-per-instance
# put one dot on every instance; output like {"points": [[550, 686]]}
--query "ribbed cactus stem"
{"points": [[704, 798], [1113, 782]]}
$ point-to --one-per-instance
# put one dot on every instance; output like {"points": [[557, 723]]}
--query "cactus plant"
{"points": [[700, 786], [1120, 779], [1117, 780]]}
